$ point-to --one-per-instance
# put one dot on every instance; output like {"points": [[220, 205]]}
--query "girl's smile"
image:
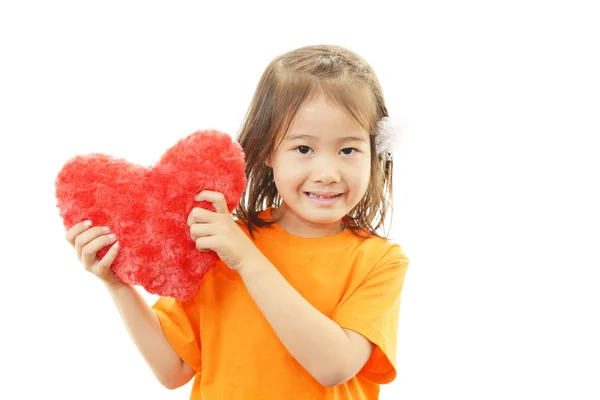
{"points": [[321, 168], [323, 198]]}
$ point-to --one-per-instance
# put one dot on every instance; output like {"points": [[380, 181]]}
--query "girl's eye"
{"points": [[303, 149], [348, 150]]}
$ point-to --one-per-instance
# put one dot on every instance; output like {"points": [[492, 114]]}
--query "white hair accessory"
{"points": [[385, 138]]}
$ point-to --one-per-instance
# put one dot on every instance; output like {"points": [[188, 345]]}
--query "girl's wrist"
{"points": [[116, 285], [253, 262]]}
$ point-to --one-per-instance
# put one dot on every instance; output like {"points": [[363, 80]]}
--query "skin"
{"points": [[325, 152], [140, 321]]}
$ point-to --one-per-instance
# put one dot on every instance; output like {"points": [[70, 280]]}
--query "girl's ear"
{"points": [[268, 161]]}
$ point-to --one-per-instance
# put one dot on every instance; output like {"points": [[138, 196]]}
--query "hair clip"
{"points": [[385, 138]]}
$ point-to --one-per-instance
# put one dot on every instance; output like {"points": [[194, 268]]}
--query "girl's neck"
{"points": [[296, 226]]}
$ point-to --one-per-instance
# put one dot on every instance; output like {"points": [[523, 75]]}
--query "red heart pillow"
{"points": [[147, 208]]}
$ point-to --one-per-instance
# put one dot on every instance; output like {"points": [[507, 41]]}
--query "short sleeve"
{"points": [[179, 321], [373, 311]]}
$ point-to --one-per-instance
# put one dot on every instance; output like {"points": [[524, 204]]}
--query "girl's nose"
{"points": [[326, 174]]}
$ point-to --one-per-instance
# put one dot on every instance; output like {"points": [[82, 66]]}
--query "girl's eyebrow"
{"points": [[353, 139], [344, 139], [300, 136]]}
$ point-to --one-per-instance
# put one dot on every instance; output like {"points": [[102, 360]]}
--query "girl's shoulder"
{"points": [[382, 250]]}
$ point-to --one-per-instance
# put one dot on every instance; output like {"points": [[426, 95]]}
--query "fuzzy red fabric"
{"points": [[147, 208]]}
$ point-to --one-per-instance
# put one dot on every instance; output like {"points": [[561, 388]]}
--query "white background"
{"points": [[496, 176]]}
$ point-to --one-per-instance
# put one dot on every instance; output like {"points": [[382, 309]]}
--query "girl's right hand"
{"points": [[87, 242]]}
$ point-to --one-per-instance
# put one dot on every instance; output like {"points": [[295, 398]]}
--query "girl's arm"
{"points": [[139, 319], [332, 355], [146, 332]]}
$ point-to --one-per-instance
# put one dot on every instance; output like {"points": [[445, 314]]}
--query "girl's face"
{"points": [[321, 169]]}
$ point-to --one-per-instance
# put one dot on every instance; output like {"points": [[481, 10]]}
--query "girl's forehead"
{"points": [[324, 116]]}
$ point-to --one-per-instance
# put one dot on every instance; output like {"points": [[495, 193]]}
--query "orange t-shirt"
{"points": [[222, 334]]}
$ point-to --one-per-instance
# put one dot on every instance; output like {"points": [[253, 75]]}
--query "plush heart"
{"points": [[147, 208]]}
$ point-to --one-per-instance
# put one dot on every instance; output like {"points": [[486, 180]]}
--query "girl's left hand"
{"points": [[217, 231]]}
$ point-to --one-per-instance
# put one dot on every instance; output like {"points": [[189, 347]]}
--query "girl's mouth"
{"points": [[326, 200]]}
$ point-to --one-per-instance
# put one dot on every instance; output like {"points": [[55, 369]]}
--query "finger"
{"points": [[199, 215], [205, 243], [108, 259], [200, 230], [90, 250], [76, 230], [87, 236], [217, 199]]}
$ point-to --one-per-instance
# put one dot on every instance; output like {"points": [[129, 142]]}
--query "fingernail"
{"points": [[112, 236], [116, 244], [87, 222], [106, 228]]}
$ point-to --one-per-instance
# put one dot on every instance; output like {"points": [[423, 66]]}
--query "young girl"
{"points": [[304, 303]]}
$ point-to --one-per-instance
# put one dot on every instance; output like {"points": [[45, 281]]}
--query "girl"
{"points": [[304, 303]]}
